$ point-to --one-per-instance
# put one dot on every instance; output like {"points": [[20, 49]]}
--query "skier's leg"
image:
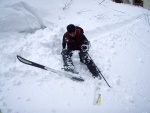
{"points": [[84, 58], [68, 64]]}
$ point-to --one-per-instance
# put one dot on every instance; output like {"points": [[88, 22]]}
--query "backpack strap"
{"points": [[66, 36], [78, 31]]}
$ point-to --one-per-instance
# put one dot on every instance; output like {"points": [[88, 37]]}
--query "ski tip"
{"points": [[98, 99], [23, 60], [19, 57]]}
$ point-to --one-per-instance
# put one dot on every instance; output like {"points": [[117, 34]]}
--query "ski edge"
{"points": [[28, 62]]}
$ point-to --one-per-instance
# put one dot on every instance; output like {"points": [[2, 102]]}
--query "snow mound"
{"points": [[119, 37], [23, 18]]}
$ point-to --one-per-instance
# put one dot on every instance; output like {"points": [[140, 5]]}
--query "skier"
{"points": [[74, 39]]}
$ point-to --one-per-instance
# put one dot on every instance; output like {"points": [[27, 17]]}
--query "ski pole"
{"points": [[99, 71]]}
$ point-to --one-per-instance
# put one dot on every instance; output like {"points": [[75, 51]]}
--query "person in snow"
{"points": [[74, 39]]}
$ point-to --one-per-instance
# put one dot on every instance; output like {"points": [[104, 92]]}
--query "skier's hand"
{"points": [[66, 52], [85, 47]]}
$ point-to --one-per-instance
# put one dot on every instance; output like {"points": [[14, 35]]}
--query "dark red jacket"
{"points": [[74, 43]]}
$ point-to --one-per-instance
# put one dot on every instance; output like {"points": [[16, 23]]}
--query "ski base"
{"points": [[63, 73], [97, 93]]}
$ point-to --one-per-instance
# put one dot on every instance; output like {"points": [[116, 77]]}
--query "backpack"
{"points": [[79, 30]]}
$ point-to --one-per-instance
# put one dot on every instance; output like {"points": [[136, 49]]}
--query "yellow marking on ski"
{"points": [[99, 100]]}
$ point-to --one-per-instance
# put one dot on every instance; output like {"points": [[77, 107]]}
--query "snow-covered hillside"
{"points": [[119, 36]]}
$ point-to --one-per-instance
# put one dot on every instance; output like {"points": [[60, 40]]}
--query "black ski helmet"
{"points": [[71, 28]]}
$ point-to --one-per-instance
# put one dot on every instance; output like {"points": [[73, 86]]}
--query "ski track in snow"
{"points": [[117, 49], [107, 29]]}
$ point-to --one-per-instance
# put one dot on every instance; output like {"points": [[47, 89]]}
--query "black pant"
{"points": [[84, 58]]}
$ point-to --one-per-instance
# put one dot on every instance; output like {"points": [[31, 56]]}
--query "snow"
{"points": [[119, 36]]}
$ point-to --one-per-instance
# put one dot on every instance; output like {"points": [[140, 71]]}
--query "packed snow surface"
{"points": [[120, 47]]}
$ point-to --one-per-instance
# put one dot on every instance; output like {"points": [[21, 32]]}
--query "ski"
{"points": [[97, 93], [62, 73]]}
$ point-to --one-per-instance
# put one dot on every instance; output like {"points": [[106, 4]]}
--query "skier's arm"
{"points": [[84, 39], [85, 43], [64, 42]]}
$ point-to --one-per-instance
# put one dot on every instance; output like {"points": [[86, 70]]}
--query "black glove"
{"points": [[85, 47]]}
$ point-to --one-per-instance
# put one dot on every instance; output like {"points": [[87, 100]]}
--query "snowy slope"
{"points": [[119, 36]]}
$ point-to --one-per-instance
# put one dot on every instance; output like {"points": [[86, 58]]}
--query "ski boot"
{"points": [[84, 58], [68, 64]]}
